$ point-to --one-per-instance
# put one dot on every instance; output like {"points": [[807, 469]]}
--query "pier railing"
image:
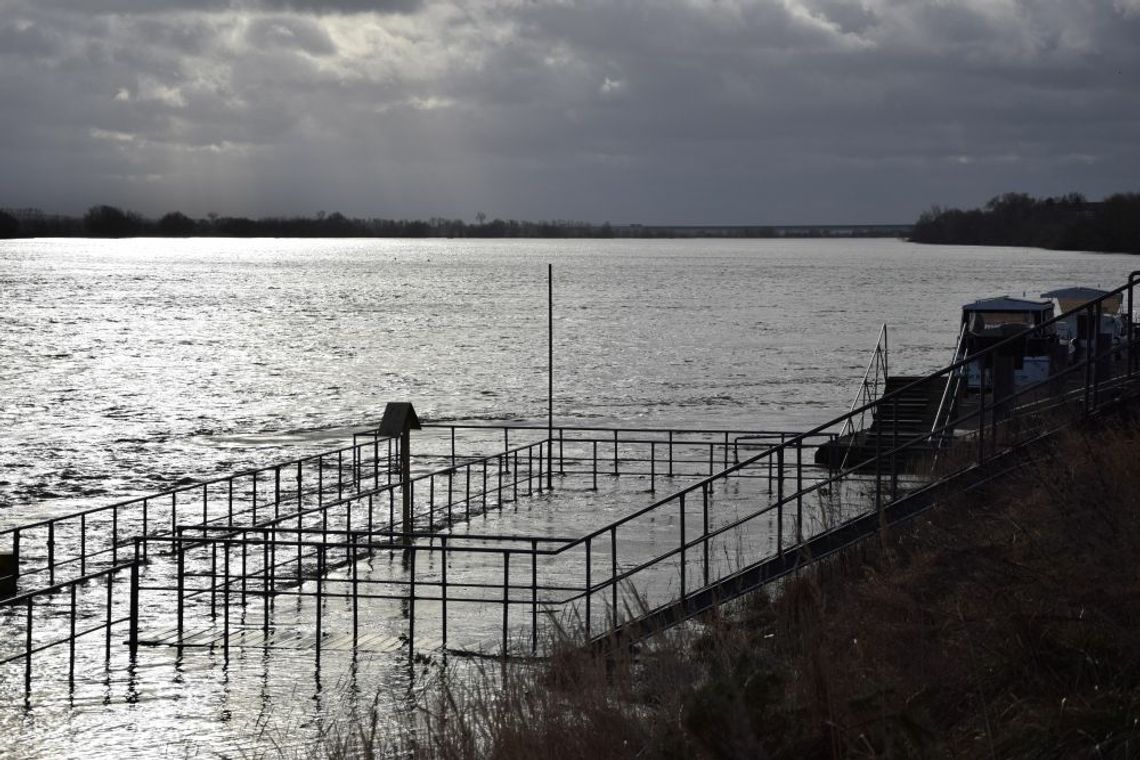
{"points": [[70, 546], [741, 520], [600, 579]]}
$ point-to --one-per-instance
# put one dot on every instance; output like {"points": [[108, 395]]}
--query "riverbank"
{"points": [[1066, 223], [1000, 624]]}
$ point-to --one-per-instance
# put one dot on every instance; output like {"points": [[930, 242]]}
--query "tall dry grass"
{"points": [[1004, 623]]}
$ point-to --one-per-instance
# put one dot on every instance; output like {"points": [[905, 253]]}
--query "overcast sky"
{"points": [[650, 111]]}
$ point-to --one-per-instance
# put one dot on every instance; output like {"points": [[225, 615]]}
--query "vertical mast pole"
{"points": [[550, 375]]}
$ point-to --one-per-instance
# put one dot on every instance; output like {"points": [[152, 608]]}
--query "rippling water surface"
{"points": [[127, 366]]}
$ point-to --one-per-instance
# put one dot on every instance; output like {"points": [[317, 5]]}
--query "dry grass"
{"points": [[1004, 623]]}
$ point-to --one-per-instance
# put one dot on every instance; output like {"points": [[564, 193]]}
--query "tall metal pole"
{"points": [[550, 375]]}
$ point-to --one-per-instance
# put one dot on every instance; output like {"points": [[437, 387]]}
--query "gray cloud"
{"points": [[215, 6], [647, 110]]}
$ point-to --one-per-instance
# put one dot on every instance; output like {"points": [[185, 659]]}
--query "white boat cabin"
{"points": [[990, 321], [1073, 330]]}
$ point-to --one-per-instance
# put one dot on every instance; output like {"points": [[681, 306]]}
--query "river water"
{"points": [[130, 365]]}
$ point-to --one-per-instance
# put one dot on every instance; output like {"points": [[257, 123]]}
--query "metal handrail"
{"points": [[955, 379]]}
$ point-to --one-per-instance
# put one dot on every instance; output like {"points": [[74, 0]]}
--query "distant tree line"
{"points": [[1069, 222], [112, 222]]}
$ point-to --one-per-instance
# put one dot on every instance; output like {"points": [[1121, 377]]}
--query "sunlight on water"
{"points": [[129, 366]]}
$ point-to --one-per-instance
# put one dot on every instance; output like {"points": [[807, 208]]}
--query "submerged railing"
{"points": [[766, 501]]}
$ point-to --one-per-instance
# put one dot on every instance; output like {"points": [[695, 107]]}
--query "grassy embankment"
{"points": [[1003, 623]]}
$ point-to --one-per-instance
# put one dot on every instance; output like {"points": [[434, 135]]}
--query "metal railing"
{"points": [[658, 560], [874, 379]]}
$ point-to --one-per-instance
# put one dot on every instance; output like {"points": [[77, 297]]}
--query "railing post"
{"points": [[594, 465], [28, 652], [226, 592], [145, 520], [614, 572], [705, 529], [213, 580], [265, 565], [320, 599], [110, 601], [533, 596], [652, 467], [352, 540], [616, 452], [894, 450], [443, 589], [982, 416], [1131, 326], [589, 584], [71, 644], [181, 580], [799, 490], [506, 598], [133, 635], [51, 553], [780, 501], [681, 500], [878, 412]]}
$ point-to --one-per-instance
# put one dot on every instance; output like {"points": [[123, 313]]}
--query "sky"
{"points": [[627, 111]]}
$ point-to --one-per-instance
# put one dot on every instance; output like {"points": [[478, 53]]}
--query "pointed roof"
{"points": [[399, 417]]}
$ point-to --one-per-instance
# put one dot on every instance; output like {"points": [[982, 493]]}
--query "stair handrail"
{"points": [[954, 378], [878, 359], [868, 391]]}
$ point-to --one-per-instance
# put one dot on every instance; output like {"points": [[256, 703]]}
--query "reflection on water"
{"points": [[130, 365]]}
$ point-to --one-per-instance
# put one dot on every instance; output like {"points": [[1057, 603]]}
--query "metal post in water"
{"points": [[133, 636], [51, 553], [28, 652], [443, 589], [352, 538], [181, 581], [506, 597], [550, 374], [320, 598], [107, 638], [71, 644], [411, 604]]}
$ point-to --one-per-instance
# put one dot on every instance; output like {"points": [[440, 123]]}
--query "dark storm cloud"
{"points": [[645, 110], [214, 6]]}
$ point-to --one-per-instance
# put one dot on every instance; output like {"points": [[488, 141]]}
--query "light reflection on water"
{"points": [[128, 365]]}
